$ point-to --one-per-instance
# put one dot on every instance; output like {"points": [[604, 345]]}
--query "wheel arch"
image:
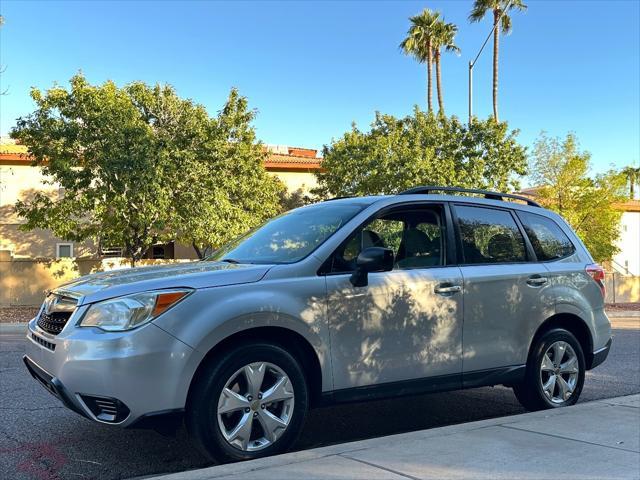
{"points": [[572, 323], [287, 339]]}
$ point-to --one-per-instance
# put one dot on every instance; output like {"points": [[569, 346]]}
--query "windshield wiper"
{"points": [[230, 260]]}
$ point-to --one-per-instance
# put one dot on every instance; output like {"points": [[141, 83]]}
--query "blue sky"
{"points": [[313, 68]]}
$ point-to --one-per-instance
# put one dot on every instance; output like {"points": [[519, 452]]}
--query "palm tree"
{"points": [[633, 177], [500, 9], [443, 38], [419, 44]]}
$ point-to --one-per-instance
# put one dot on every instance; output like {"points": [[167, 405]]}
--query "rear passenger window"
{"points": [[547, 238], [489, 236]]}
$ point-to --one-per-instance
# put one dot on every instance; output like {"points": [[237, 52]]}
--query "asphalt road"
{"points": [[40, 439]]}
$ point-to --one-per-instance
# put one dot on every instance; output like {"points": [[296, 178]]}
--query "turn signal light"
{"points": [[165, 300]]}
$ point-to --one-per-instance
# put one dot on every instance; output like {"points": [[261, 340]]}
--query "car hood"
{"points": [[104, 285]]}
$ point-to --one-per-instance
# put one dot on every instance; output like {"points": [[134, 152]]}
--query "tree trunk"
{"points": [[439, 84], [496, 48], [429, 82], [198, 251]]}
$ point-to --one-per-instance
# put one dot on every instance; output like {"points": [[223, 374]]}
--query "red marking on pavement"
{"points": [[43, 462]]}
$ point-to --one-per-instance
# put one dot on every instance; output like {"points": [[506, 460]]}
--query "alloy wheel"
{"points": [[559, 371], [255, 406]]}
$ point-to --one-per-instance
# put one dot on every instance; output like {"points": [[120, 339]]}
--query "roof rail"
{"points": [[486, 193]]}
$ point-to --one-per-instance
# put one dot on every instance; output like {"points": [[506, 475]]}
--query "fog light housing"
{"points": [[106, 409]]}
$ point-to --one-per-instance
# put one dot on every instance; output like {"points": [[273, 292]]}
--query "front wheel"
{"points": [[251, 402], [555, 372]]}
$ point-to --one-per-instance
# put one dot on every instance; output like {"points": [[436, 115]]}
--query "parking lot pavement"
{"points": [[597, 440], [40, 439]]}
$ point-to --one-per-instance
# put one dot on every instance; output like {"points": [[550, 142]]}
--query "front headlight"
{"points": [[131, 311]]}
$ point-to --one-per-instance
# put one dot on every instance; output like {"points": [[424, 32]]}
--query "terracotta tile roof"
{"points": [[298, 159], [629, 206], [626, 206], [279, 162]]}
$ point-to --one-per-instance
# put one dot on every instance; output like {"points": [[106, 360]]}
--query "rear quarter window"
{"points": [[489, 236], [547, 238]]}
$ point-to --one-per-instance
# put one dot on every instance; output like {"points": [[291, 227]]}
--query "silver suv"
{"points": [[346, 300]]}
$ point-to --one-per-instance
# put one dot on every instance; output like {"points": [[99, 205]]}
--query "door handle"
{"points": [[537, 280], [447, 288]]}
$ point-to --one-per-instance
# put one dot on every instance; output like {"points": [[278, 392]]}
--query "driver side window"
{"points": [[416, 237]]}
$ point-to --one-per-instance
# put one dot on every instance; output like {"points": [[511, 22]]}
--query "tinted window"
{"points": [[547, 238], [415, 236], [489, 236], [291, 236]]}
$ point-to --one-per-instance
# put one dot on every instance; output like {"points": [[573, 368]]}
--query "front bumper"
{"points": [[131, 374], [53, 386]]}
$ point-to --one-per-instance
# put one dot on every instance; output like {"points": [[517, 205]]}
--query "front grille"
{"points": [[106, 409], [53, 323], [43, 342]]}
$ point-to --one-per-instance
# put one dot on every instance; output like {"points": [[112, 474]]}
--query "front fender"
{"points": [[209, 316]]}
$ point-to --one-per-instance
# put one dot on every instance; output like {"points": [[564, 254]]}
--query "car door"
{"points": [[406, 323], [505, 290]]}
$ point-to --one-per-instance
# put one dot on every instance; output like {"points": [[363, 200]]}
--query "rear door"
{"points": [[505, 289]]}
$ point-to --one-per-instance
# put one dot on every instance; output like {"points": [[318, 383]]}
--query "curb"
{"points": [[326, 454], [13, 328]]}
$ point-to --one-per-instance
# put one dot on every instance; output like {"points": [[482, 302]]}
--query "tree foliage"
{"points": [[140, 165], [587, 203], [422, 149]]}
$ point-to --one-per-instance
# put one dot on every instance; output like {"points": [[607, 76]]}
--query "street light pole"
{"points": [[470, 92]]}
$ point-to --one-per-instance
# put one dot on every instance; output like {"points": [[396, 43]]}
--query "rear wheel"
{"points": [[251, 402], [555, 372]]}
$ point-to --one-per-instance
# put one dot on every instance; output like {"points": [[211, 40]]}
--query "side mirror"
{"points": [[372, 259]]}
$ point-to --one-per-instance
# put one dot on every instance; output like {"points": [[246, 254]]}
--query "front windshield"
{"points": [[291, 236]]}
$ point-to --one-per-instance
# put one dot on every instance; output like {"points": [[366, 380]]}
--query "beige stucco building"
{"points": [[627, 261], [19, 179]]}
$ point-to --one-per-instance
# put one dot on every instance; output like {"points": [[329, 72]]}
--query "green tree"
{"points": [[136, 163], [561, 170], [501, 22], [443, 39], [227, 190], [421, 149], [419, 44]]}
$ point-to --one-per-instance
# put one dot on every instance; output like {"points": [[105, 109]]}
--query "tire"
{"points": [[565, 388], [213, 431]]}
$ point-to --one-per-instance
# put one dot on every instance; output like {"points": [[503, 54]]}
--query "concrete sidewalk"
{"points": [[597, 440]]}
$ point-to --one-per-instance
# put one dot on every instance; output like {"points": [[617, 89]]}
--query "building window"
{"points": [[157, 252], [64, 250]]}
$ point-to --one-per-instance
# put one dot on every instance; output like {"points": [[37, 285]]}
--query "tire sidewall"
{"points": [[543, 344], [203, 412]]}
